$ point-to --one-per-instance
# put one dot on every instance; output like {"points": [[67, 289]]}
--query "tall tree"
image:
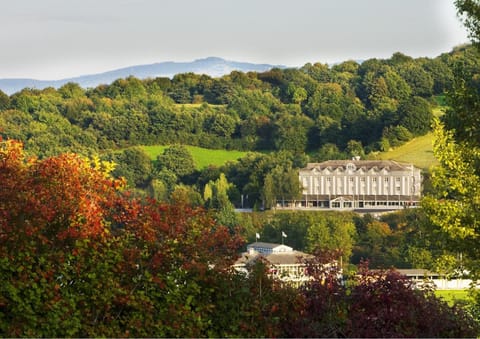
{"points": [[332, 232], [469, 10], [419, 80], [216, 196], [291, 132], [176, 159], [463, 116], [135, 166], [416, 115], [281, 184], [454, 205]]}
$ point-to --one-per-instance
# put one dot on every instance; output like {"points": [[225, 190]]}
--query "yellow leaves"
{"points": [[11, 153], [105, 167]]}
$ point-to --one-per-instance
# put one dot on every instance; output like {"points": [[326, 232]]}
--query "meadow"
{"points": [[201, 156], [418, 151]]}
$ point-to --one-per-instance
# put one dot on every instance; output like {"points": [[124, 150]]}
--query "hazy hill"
{"points": [[211, 66]]}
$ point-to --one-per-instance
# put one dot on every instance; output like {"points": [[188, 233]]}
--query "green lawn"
{"points": [[452, 296], [418, 151], [203, 157]]}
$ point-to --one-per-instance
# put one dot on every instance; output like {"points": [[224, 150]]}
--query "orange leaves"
{"points": [[63, 198], [91, 260], [57, 198]]}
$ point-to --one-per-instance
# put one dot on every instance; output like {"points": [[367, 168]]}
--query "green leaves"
{"points": [[454, 207]]}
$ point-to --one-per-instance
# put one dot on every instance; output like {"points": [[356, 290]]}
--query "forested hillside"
{"points": [[94, 256], [376, 103], [287, 116]]}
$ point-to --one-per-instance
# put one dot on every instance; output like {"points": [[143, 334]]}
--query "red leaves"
{"points": [[58, 198]]}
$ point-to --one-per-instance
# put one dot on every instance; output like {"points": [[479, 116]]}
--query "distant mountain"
{"points": [[212, 66]]}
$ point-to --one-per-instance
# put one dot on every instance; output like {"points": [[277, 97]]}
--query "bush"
{"points": [[372, 304], [387, 304]]}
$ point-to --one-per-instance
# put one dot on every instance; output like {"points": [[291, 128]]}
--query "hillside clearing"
{"points": [[418, 151], [202, 157]]}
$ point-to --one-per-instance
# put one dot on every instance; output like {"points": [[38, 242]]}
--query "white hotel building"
{"points": [[360, 185], [284, 262]]}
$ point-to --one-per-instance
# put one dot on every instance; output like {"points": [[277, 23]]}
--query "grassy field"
{"points": [[418, 151], [452, 296], [202, 157]]}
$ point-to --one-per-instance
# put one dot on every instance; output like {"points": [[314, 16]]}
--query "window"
{"points": [[386, 179], [350, 179], [397, 179], [374, 179], [362, 179], [329, 179]]}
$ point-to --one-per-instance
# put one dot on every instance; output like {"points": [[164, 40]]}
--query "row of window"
{"points": [[362, 179], [375, 190]]}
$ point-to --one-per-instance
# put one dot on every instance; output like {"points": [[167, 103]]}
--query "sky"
{"points": [[55, 39]]}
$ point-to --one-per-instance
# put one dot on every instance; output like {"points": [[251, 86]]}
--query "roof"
{"points": [[411, 272], [284, 258], [287, 258], [264, 245], [418, 272], [365, 164]]}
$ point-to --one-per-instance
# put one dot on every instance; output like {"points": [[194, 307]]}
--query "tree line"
{"points": [[286, 117], [319, 109]]}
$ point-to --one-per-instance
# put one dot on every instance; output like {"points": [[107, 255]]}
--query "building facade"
{"points": [[285, 263], [360, 185], [423, 278]]}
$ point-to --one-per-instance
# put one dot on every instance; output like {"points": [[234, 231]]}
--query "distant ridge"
{"points": [[212, 66]]}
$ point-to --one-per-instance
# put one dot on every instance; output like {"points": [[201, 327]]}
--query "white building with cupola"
{"points": [[283, 261], [359, 185]]}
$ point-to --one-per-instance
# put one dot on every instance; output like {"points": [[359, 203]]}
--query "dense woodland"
{"points": [[326, 111], [116, 244], [286, 117]]}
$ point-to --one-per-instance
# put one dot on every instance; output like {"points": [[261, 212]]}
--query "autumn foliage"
{"points": [[80, 257]]}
